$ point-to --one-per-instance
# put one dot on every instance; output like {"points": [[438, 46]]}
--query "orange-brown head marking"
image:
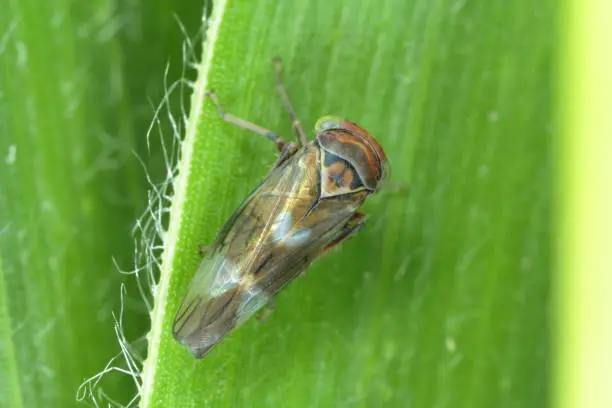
{"points": [[351, 160]]}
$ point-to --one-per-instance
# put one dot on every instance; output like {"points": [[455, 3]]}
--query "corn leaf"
{"points": [[442, 299]]}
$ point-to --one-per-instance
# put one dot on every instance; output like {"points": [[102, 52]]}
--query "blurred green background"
{"points": [[442, 300]]}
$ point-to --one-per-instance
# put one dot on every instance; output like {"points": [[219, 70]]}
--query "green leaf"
{"points": [[442, 299], [10, 372], [76, 80]]}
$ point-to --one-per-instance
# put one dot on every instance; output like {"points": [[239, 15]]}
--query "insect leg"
{"points": [[267, 310], [203, 250], [288, 150], [352, 226], [298, 129], [228, 117], [396, 187]]}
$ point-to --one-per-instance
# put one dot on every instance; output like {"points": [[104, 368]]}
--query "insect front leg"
{"points": [[298, 129], [352, 226], [395, 188], [245, 124]]}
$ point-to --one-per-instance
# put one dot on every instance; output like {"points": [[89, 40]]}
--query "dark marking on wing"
{"points": [[222, 307], [284, 266], [186, 311], [262, 265]]}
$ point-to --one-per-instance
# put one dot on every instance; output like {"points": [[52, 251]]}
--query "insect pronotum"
{"points": [[305, 206]]}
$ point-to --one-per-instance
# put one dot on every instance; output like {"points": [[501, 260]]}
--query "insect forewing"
{"points": [[280, 229], [225, 290]]}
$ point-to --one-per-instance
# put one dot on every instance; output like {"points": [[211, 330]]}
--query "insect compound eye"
{"points": [[329, 122]]}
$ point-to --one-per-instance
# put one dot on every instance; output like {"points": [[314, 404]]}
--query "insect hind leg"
{"points": [[245, 124], [298, 129], [266, 311]]}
